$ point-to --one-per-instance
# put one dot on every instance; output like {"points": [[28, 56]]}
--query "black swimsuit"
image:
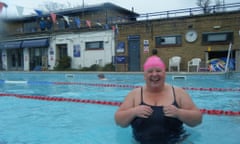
{"points": [[157, 129]]}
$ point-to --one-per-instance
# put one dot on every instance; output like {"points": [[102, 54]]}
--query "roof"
{"points": [[80, 9]]}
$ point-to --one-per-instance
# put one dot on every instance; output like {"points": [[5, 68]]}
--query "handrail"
{"points": [[228, 57], [190, 11]]}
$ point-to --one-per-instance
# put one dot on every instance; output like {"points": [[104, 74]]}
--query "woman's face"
{"points": [[154, 77]]}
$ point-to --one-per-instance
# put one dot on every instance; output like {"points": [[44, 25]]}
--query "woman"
{"points": [[157, 110]]}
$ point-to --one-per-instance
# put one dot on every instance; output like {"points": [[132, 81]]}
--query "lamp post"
{"points": [[82, 8]]}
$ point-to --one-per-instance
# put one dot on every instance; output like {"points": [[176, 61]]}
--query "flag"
{"points": [[116, 29], [66, 21], [106, 26], [77, 22], [66, 18], [113, 28], [39, 13], [99, 24], [53, 16], [88, 23], [19, 10], [42, 24], [2, 4]]}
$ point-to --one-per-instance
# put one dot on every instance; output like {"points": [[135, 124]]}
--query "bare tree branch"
{"points": [[204, 4]]}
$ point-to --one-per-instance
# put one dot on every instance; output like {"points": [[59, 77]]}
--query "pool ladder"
{"points": [[69, 75], [179, 77]]}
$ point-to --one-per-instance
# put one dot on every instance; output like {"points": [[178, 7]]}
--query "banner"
{"points": [[76, 50]]}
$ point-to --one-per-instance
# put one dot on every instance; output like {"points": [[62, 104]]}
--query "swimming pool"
{"points": [[71, 108]]}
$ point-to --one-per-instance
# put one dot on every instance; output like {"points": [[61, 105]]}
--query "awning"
{"points": [[35, 43], [11, 45]]}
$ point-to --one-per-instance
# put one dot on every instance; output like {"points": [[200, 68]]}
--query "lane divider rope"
{"points": [[133, 86], [111, 103], [113, 85]]}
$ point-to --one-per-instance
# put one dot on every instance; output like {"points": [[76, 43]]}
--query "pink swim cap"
{"points": [[154, 61]]}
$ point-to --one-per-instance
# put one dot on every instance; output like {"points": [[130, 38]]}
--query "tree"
{"points": [[204, 4], [220, 5]]}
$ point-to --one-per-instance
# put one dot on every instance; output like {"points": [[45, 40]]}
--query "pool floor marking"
{"points": [[61, 99]]}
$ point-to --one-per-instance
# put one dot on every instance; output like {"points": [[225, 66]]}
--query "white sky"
{"points": [[140, 6]]}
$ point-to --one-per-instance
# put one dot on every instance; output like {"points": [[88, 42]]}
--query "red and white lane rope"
{"points": [[133, 86], [111, 103], [115, 85]]}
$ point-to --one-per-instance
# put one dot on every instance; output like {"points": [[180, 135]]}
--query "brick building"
{"points": [[214, 33]]}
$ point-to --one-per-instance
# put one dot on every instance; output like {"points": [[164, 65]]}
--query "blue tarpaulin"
{"points": [[35, 43]]}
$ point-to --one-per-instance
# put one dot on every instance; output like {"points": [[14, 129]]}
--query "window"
{"points": [[163, 41], [96, 45], [217, 38], [30, 27]]}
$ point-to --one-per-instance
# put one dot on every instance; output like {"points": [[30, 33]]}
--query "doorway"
{"points": [[134, 53], [15, 59]]}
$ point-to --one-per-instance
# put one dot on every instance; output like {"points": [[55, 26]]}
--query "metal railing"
{"points": [[191, 11]]}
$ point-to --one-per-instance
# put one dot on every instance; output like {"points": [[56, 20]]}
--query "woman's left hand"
{"points": [[170, 111]]}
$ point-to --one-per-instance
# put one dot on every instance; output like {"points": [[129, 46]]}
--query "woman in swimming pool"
{"points": [[157, 110]]}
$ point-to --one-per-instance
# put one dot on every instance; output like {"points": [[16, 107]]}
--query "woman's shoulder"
{"points": [[177, 88], [181, 93], [135, 90]]}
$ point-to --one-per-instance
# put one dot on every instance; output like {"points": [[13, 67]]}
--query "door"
{"points": [[15, 59], [38, 58], [134, 53], [61, 51]]}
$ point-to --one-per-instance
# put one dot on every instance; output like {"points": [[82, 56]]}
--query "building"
{"points": [[107, 33], [169, 31], [84, 34]]}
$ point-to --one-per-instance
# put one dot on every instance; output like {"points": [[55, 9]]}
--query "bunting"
{"points": [[66, 18], [19, 10], [2, 4], [39, 13], [66, 21], [77, 22], [115, 29], [42, 24], [106, 26], [99, 24], [88, 23], [53, 16]]}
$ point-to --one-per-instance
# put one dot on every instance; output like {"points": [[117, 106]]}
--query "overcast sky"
{"points": [[140, 6]]}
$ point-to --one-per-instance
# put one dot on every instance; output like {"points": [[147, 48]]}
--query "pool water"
{"points": [[36, 121]]}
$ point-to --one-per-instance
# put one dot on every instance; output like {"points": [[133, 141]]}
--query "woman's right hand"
{"points": [[143, 111]]}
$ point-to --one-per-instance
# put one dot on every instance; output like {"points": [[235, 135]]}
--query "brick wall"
{"points": [[179, 26]]}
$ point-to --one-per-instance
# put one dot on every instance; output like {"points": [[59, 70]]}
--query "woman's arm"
{"points": [[187, 112], [125, 113], [130, 109]]}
